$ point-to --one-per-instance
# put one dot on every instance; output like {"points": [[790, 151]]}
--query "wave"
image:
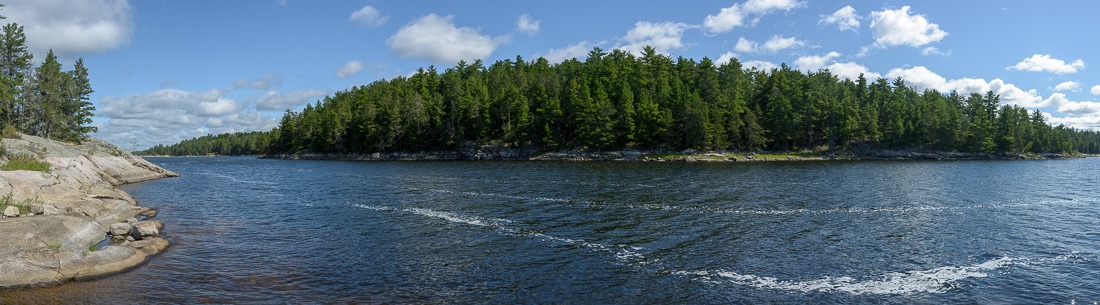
{"points": [[938, 280], [626, 254], [763, 212]]}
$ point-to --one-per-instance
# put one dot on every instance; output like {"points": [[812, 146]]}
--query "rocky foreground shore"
{"points": [[55, 222]]}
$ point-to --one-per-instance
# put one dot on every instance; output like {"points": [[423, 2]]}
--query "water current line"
{"points": [[626, 254], [938, 280], [851, 210]]}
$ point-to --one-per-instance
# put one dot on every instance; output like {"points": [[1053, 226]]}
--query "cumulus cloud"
{"points": [[851, 71], [746, 46], [1074, 108], [898, 27], [759, 65], [734, 16], [814, 62], [777, 43], [73, 27], [1068, 86], [436, 38], [170, 115], [527, 25], [349, 69], [922, 78], [1095, 90], [167, 116], [663, 37], [577, 50], [370, 16], [845, 19], [774, 44], [725, 58], [1046, 63], [277, 101]]}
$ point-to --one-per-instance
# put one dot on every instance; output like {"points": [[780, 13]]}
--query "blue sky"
{"points": [[166, 71]]}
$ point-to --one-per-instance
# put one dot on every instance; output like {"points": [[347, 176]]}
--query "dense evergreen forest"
{"points": [[616, 100], [613, 101], [42, 101], [227, 144]]}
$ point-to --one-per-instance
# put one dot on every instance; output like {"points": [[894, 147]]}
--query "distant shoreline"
{"points": [[684, 156]]}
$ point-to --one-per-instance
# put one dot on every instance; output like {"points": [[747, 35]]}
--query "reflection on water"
{"points": [[267, 231]]}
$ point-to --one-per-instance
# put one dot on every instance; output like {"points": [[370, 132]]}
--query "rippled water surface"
{"points": [[246, 230]]}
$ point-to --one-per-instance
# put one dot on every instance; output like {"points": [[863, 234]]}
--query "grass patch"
{"points": [[55, 246], [7, 201], [25, 162]]}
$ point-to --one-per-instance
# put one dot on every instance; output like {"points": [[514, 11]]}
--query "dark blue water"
{"points": [[267, 231]]}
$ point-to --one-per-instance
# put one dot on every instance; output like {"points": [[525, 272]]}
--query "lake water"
{"points": [[246, 230]]}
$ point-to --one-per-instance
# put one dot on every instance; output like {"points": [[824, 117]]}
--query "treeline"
{"points": [[44, 100], [227, 144], [617, 100]]}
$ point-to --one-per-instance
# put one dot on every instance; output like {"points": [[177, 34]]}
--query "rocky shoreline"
{"points": [[56, 222], [491, 152]]}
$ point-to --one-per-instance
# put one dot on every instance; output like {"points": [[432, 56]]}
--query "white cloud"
{"points": [[845, 19], [527, 25], [734, 16], [777, 43], [277, 101], [169, 115], [725, 58], [1095, 90], [921, 78], [577, 50], [73, 27], [663, 37], [898, 27], [1080, 122], [436, 38], [814, 62], [1068, 86], [851, 71], [369, 15], [1046, 63], [933, 50], [349, 69], [1065, 105], [746, 46], [759, 65]]}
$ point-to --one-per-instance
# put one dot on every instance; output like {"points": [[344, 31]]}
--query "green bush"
{"points": [[25, 162], [9, 132]]}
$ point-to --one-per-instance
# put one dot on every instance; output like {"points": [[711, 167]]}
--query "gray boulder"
{"points": [[11, 211], [146, 229], [120, 229]]}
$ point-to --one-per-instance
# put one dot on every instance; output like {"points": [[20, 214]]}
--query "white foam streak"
{"points": [[626, 254], [936, 280]]}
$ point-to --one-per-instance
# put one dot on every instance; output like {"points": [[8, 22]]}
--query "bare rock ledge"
{"points": [[71, 210]]}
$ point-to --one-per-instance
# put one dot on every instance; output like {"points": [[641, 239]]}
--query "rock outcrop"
{"points": [[72, 208]]}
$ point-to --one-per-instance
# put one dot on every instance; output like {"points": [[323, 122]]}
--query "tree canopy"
{"points": [[45, 100], [615, 100]]}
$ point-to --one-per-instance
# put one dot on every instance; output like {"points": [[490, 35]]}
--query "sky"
{"points": [[165, 71]]}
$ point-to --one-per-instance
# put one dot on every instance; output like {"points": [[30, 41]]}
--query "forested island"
{"points": [[616, 100]]}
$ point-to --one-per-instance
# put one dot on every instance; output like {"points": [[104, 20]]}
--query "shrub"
{"points": [[9, 131], [25, 162]]}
